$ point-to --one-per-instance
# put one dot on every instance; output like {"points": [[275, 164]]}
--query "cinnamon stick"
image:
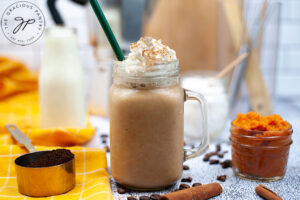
{"points": [[202, 192], [266, 193]]}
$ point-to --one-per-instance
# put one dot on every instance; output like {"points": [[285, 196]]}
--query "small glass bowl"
{"points": [[258, 157]]}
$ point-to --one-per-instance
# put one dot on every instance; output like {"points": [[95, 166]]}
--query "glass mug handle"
{"points": [[199, 150]]}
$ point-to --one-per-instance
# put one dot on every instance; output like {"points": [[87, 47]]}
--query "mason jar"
{"points": [[260, 155], [146, 125]]}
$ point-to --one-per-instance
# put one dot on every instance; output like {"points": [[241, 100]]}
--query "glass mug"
{"points": [[146, 125]]}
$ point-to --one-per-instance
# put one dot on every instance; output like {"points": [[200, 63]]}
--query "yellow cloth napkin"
{"points": [[19, 105], [15, 78], [92, 178]]}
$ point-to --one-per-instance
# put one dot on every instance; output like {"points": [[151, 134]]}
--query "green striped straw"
{"points": [[107, 30]]}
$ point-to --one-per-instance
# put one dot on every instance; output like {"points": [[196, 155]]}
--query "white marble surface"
{"points": [[233, 188]]}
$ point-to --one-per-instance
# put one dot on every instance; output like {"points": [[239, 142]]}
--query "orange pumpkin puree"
{"points": [[260, 145], [254, 121]]}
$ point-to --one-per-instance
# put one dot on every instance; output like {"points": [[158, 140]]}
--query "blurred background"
{"points": [[206, 34]]}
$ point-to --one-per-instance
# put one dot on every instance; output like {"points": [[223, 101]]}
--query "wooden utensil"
{"points": [[258, 94], [260, 100], [231, 66]]}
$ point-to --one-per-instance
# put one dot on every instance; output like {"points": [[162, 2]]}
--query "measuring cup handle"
{"points": [[198, 150], [20, 137]]}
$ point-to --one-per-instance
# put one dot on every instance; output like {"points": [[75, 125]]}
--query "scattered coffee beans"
{"points": [[188, 179], [131, 198], [185, 167], [208, 155], [226, 164], [218, 147], [104, 141], [196, 184], [183, 186], [220, 155], [121, 190], [205, 159], [154, 197], [222, 178], [104, 135], [144, 198], [213, 162], [107, 148]]}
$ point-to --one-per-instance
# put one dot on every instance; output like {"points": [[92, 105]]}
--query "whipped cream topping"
{"points": [[148, 52]]}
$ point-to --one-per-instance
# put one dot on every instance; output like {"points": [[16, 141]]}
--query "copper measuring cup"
{"points": [[40, 181]]}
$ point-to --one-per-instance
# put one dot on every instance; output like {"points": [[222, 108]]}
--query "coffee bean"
{"points": [[213, 162], [103, 135], [121, 190], [183, 186], [218, 147], [185, 167], [154, 197], [220, 155], [188, 179], [205, 159], [131, 198], [208, 155], [144, 198], [222, 178], [107, 148], [196, 184], [226, 164]]}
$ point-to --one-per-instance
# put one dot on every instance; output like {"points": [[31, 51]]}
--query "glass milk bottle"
{"points": [[61, 85]]}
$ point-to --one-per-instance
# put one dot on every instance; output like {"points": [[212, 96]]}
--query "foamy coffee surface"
{"points": [[148, 52]]}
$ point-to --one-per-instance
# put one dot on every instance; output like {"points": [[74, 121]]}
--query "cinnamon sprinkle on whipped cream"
{"points": [[149, 51]]}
